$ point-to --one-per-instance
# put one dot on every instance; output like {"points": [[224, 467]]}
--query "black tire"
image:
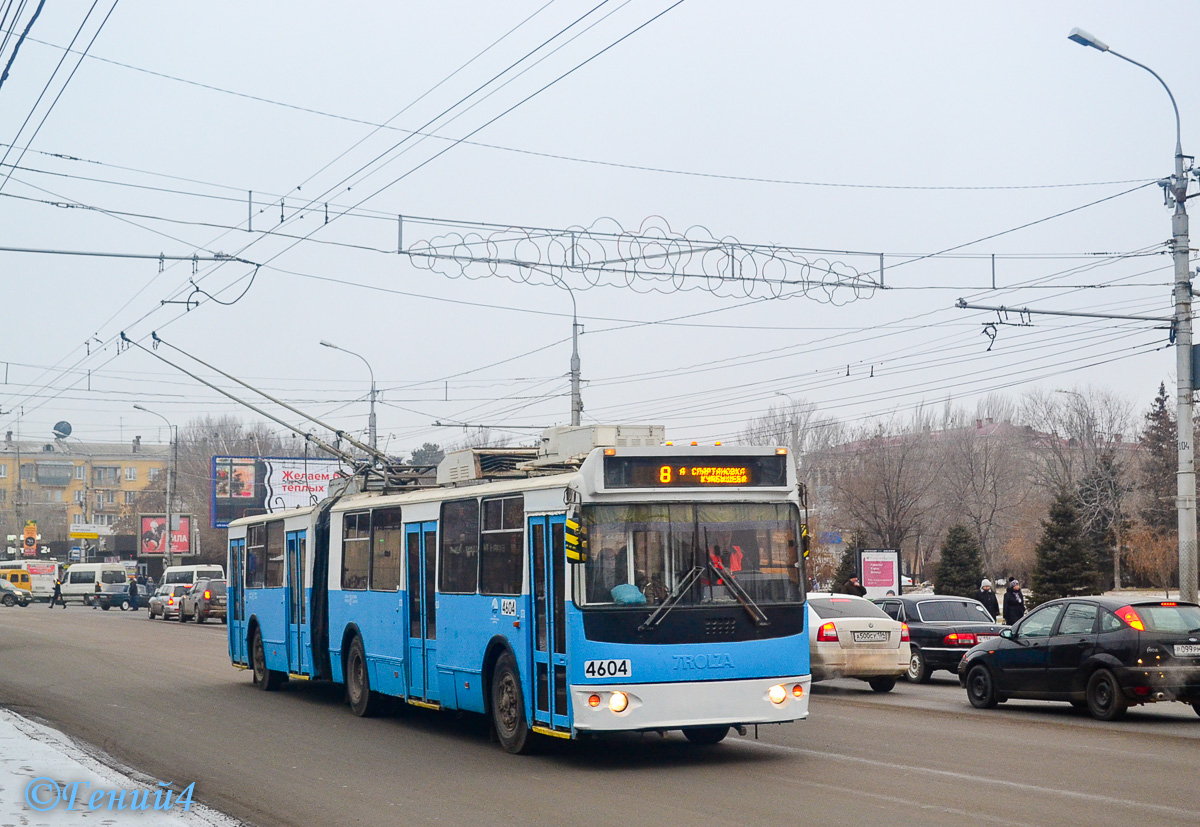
{"points": [[918, 670], [1105, 699], [87, 601], [106, 607], [125, 605], [268, 680], [182, 616], [223, 621], [1082, 706], [9, 601], [508, 707], [981, 687], [705, 736], [1196, 706], [882, 684], [363, 702], [200, 616]]}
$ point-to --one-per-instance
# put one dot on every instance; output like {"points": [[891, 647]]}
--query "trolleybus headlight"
{"points": [[594, 700], [777, 694], [618, 701], [798, 691]]}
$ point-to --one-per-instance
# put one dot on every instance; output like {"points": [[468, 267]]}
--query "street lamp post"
{"points": [[1176, 190], [371, 419], [172, 448]]}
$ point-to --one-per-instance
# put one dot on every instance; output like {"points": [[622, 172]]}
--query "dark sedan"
{"points": [[1102, 654], [942, 629], [113, 594]]}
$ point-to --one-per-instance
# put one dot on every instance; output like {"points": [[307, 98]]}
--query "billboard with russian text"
{"points": [[247, 486]]}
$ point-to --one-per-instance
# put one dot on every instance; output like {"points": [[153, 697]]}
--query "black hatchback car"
{"points": [[1101, 654], [942, 629]]}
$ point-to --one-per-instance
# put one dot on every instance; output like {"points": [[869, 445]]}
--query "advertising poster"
{"points": [[880, 571], [248, 486], [154, 535]]}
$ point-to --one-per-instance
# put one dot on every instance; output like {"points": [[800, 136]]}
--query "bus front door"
{"points": [[297, 612], [420, 545], [548, 564], [236, 607]]}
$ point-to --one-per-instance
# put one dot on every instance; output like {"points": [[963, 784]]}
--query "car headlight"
{"points": [[618, 701], [777, 694]]}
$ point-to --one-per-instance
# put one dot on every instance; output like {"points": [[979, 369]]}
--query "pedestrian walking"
{"points": [[96, 597], [987, 597], [1014, 602], [57, 596], [133, 595], [852, 586]]}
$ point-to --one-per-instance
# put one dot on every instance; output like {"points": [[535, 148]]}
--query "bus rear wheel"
{"points": [[705, 736], [363, 702], [508, 707], [265, 679]]}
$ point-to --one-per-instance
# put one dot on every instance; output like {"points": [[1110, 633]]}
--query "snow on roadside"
{"points": [[48, 778]]}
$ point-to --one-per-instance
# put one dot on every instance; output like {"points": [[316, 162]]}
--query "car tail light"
{"points": [[170, 601], [960, 639], [798, 691], [1168, 603], [1130, 616], [827, 633], [904, 637], [207, 594]]}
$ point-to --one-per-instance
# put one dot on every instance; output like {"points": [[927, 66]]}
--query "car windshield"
{"points": [[642, 554], [954, 610], [833, 607], [1179, 619]]}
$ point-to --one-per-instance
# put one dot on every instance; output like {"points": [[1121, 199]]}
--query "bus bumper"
{"points": [[675, 705]]}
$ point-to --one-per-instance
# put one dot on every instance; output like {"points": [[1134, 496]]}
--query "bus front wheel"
{"points": [[265, 679], [363, 702], [508, 707]]}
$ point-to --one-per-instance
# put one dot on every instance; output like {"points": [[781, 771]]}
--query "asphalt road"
{"points": [[162, 698]]}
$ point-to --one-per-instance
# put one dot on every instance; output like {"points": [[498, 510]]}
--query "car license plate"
{"points": [[1187, 650], [982, 638], [870, 637]]}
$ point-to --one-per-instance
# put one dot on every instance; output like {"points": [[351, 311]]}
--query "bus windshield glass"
{"points": [[645, 554]]}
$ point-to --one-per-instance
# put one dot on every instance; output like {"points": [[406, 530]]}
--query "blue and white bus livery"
{"points": [[681, 606]]}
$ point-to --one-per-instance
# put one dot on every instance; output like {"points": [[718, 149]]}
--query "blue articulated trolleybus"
{"points": [[563, 593]]}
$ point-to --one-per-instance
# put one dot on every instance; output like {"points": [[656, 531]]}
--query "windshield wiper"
{"points": [[658, 614], [752, 608]]}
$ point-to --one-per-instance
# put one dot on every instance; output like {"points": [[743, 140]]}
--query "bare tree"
{"points": [[886, 480]]}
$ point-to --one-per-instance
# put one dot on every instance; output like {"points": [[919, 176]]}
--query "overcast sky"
{"points": [[858, 128]]}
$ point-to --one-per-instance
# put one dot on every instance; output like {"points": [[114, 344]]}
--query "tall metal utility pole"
{"points": [[171, 432], [1176, 188], [372, 440]]}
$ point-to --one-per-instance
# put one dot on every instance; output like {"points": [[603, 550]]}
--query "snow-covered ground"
{"points": [[46, 778]]}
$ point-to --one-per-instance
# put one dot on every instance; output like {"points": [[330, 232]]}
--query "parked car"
{"points": [[942, 629], [165, 601], [11, 595], [1102, 654], [851, 637], [113, 594], [203, 600]]}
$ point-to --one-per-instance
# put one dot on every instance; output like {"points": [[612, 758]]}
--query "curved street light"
{"points": [[171, 449], [1176, 190], [371, 419]]}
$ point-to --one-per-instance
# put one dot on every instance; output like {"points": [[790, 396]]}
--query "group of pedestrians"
{"points": [[133, 590], [1014, 600]]}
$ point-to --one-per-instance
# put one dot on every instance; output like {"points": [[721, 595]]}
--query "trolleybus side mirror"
{"points": [[575, 537]]}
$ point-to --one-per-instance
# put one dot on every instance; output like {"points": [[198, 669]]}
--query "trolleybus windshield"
{"points": [[641, 554]]}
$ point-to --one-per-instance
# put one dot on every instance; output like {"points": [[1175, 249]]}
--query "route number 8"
{"points": [[664, 474]]}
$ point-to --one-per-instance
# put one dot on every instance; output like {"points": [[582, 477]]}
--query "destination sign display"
{"points": [[695, 472]]}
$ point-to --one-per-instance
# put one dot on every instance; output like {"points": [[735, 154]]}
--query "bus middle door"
{"points": [[548, 565], [420, 545], [297, 612]]}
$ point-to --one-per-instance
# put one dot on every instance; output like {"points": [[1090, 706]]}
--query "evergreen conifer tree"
{"points": [[1063, 565], [959, 570], [1159, 466], [849, 566]]}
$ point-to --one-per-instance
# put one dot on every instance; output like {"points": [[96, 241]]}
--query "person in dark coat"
{"points": [[57, 596], [987, 597], [1014, 602], [852, 586]]}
